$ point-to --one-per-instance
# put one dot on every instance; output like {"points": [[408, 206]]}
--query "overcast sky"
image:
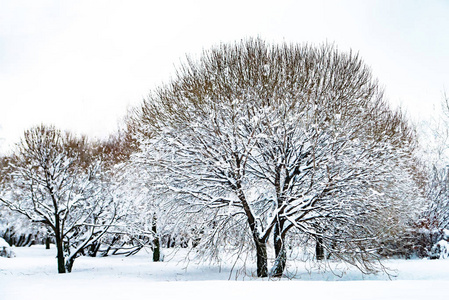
{"points": [[80, 64]]}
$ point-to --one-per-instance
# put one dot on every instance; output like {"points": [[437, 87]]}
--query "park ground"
{"points": [[31, 275]]}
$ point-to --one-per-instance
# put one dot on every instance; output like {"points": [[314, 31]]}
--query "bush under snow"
{"points": [[441, 249]]}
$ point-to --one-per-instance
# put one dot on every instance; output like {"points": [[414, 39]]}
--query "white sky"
{"points": [[80, 64]]}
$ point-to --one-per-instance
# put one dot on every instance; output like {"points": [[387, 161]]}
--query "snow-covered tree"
{"points": [[332, 176], [439, 195], [140, 216], [434, 136], [57, 182], [281, 137], [439, 181], [137, 225]]}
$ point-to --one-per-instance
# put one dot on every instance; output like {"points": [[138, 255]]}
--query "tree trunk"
{"points": [[156, 243], [261, 245], [69, 264], [47, 242], [319, 248], [93, 249], [262, 257], [281, 255], [60, 255], [59, 247], [156, 250]]}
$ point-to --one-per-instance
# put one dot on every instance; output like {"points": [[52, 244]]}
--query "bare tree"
{"points": [[437, 214], [281, 137], [56, 182]]}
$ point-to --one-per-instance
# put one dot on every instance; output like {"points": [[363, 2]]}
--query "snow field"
{"points": [[32, 275]]}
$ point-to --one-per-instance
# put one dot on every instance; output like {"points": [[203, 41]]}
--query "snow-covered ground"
{"points": [[32, 275]]}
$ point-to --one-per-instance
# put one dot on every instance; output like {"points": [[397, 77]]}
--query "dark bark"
{"points": [[281, 255], [262, 258], [319, 248], [69, 264], [280, 261], [106, 252], [29, 240], [93, 249], [21, 241], [59, 246], [156, 250], [260, 244], [60, 255], [156, 242], [47, 243]]}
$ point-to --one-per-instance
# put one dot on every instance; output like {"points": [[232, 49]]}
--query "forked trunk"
{"points": [[260, 244], [281, 255], [69, 264]]}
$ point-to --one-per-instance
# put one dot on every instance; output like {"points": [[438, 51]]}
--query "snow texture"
{"points": [[31, 275]]}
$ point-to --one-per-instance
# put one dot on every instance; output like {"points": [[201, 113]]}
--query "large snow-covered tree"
{"points": [[282, 137], [56, 181]]}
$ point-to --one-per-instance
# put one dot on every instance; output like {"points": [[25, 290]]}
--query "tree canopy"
{"points": [[288, 136]]}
